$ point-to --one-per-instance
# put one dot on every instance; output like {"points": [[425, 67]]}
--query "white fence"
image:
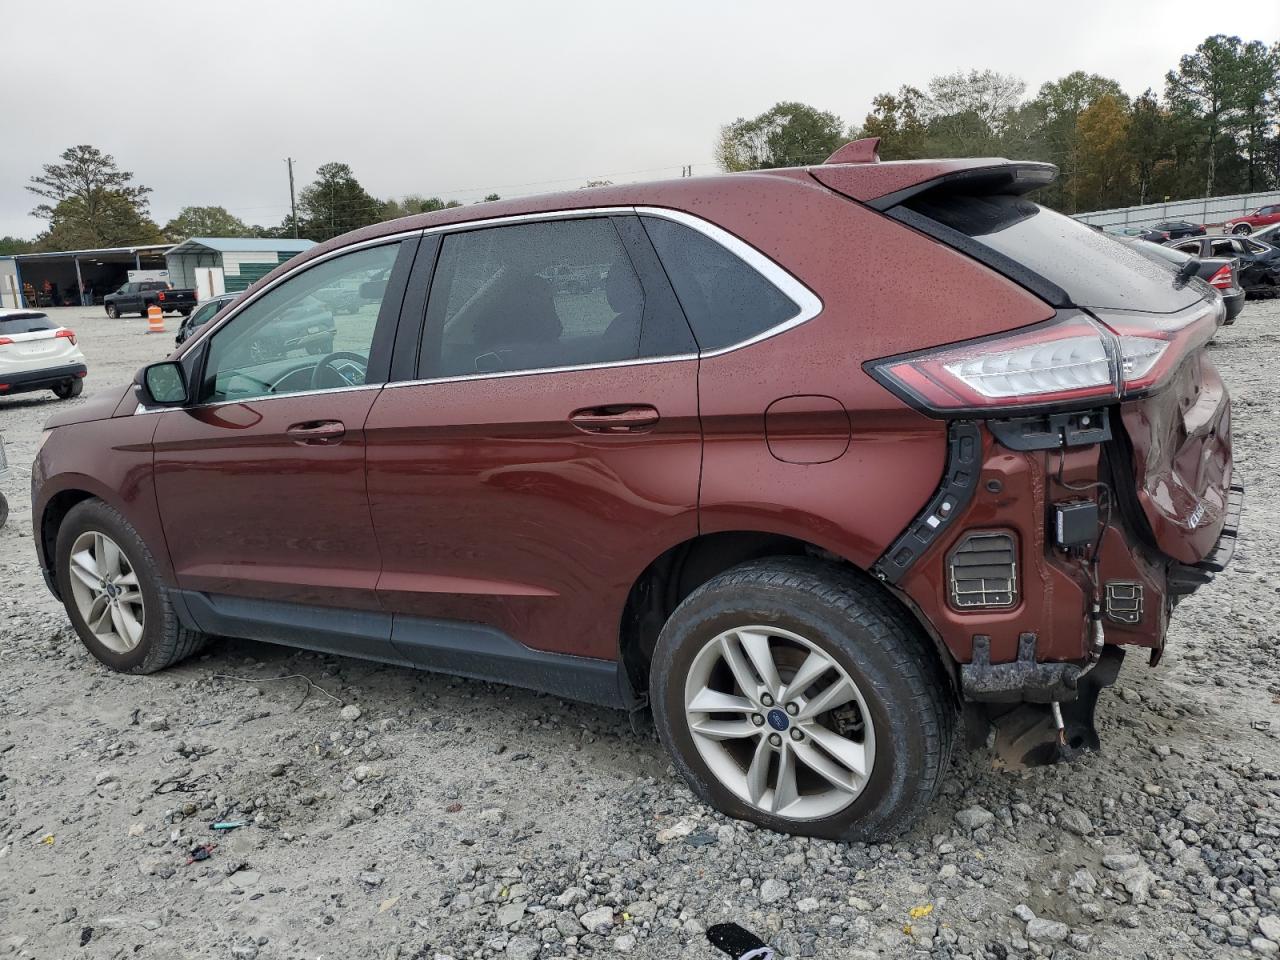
{"points": [[1211, 210]]}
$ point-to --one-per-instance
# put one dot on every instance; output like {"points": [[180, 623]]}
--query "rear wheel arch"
{"points": [[684, 567]]}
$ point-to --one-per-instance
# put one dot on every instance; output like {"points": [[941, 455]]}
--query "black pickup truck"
{"points": [[137, 295]]}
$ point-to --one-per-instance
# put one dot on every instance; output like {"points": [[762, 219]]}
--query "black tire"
{"points": [[854, 622], [113, 311], [69, 389], [1242, 230], [164, 640], [4, 510]]}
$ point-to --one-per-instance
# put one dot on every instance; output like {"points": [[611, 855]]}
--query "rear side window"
{"points": [[533, 296], [724, 298], [28, 324], [1092, 269]]}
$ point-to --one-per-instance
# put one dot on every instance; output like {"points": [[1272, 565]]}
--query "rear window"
{"points": [[1093, 269], [26, 324], [724, 299]]}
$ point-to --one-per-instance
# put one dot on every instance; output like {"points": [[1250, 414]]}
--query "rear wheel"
{"points": [[794, 694], [1242, 229], [69, 389], [113, 594], [112, 311]]}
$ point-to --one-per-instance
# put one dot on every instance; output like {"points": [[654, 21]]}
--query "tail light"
{"points": [[1165, 235], [160, 295], [1072, 360], [1221, 279], [66, 334], [5, 341]]}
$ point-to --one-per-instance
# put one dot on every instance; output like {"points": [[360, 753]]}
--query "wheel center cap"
{"points": [[778, 719]]}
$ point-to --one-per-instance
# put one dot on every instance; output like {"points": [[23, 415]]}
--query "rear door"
{"points": [[549, 447]]}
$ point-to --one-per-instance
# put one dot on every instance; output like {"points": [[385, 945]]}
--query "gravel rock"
{"points": [[1199, 813], [523, 948], [598, 921], [773, 890], [1047, 931], [1076, 821], [1269, 926], [971, 818], [351, 712]]}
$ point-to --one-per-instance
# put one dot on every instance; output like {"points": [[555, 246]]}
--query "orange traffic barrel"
{"points": [[155, 319]]}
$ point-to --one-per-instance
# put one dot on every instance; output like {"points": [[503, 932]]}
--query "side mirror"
{"points": [[162, 384]]}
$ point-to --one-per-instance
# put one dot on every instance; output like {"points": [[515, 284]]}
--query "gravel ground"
{"points": [[395, 814]]}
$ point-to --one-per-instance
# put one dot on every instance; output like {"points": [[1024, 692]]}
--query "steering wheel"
{"points": [[325, 364]]}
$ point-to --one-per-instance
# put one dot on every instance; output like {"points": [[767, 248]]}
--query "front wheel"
{"points": [[795, 694], [113, 311], [115, 598], [1242, 229]]}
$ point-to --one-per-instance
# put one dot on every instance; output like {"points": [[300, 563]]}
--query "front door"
{"points": [[550, 449], [261, 482]]}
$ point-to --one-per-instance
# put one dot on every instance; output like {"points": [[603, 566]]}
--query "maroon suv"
{"points": [[697, 445]]}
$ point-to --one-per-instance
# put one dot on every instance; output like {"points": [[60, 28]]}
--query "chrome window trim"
{"points": [[140, 409], [536, 371], [283, 396], [808, 304]]}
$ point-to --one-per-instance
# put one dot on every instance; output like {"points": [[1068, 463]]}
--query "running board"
{"points": [[454, 647]]}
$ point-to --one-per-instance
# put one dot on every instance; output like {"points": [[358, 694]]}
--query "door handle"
{"points": [[620, 418], [317, 432]]}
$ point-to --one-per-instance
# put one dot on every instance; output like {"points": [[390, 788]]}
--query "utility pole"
{"points": [[293, 205]]}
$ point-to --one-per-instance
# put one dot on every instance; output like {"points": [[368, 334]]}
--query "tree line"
{"points": [[1211, 130], [89, 202]]}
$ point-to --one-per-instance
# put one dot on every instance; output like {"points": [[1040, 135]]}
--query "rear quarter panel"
{"points": [[885, 289]]}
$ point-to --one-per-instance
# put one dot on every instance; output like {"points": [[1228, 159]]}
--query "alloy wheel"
{"points": [[779, 722], [106, 591]]}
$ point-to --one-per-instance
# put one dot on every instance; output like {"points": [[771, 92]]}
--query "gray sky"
{"points": [[468, 97]]}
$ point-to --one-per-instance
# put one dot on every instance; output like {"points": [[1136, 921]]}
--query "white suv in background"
{"points": [[38, 354]]}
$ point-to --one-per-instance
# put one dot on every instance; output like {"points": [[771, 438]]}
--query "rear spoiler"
{"points": [[851, 172], [1014, 178]]}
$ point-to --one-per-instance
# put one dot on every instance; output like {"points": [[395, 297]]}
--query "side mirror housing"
{"points": [[162, 384]]}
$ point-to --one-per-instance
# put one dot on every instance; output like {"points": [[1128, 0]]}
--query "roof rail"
{"points": [[866, 150]]}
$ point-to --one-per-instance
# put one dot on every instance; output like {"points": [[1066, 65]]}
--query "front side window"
{"points": [[532, 296], [724, 298], [292, 339]]}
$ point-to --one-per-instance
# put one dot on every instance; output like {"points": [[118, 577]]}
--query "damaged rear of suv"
{"points": [[698, 446], [1089, 483]]}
